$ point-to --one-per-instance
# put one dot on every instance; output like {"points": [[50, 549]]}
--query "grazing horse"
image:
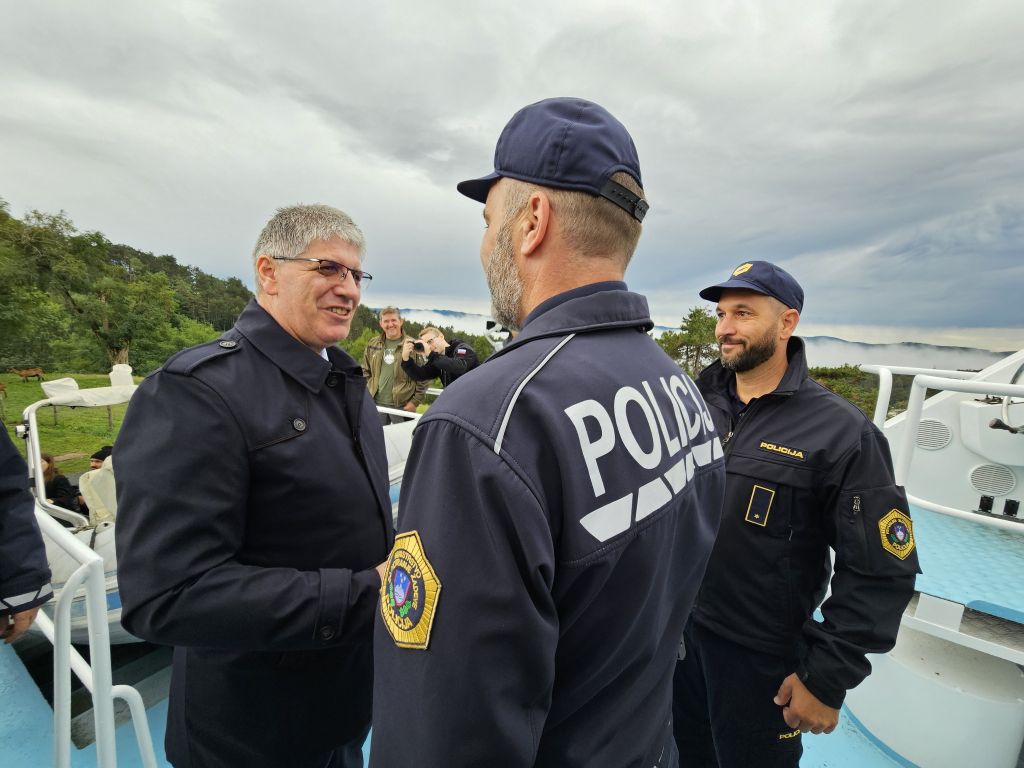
{"points": [[29, 373]]}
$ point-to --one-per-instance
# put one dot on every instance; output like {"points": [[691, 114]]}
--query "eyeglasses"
{"points": [[428, 341], [329, 268]]}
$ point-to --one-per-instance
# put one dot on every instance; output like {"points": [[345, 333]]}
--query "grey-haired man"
{"points": [[253, 512]]}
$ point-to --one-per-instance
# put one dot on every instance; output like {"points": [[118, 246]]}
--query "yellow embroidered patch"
{"points": [[409, 593], [789, 735], [897, 532], [760, 505], [741, 269], [791, 452]]}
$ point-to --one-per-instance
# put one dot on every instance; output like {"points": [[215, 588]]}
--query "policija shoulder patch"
{"points": [[897, 532], [409, 593]]}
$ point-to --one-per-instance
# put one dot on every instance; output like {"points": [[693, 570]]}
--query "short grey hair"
{"points": [[293, 228], [389, 310]]}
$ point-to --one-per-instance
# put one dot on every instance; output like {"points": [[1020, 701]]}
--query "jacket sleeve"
{"points": [[485, 680], [868, 525], [183, 482], [365, 362], [462, 360], [426, 372], [419, 393], [24, 574], [63, 494]]}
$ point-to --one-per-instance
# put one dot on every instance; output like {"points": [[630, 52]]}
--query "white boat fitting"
{"points": [[951, 693], [96, 533]]}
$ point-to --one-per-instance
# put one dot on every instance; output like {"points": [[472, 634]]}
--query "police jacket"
{"points": [[532, 606], [807, 471], [458, 358], [403, 388], [252, 493], [24, 574]]}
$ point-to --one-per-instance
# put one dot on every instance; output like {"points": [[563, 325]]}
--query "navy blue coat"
{"points": [[24, 574], [252, 508], [807, 471], [565, 496]]}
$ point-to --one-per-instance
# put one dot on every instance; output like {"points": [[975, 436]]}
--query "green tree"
{"points": [[693, 346]]}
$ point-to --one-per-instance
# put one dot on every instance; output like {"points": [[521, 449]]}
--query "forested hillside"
{"points": [[74, 301]]}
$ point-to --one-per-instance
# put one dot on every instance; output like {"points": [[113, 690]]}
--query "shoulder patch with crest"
{"points": [[409, 593], [897, 532]]}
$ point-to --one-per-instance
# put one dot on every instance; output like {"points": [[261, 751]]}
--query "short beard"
{"points": [[759, 351], [503, 279]]}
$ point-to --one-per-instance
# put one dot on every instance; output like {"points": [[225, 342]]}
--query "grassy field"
{"points": [[79, 432]]}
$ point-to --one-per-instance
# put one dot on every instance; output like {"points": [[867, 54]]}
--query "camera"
{"points": [[418, 346]]}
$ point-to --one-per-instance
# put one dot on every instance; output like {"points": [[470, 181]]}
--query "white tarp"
{"points": [[87, 397]]}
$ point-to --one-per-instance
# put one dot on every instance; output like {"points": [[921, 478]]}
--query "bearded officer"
{"points": [[806, 471], [531, 613]]}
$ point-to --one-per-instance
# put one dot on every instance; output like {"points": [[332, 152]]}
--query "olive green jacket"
{"points": [[403, 389]]}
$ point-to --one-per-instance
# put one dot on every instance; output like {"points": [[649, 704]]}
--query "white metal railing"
{"points": [[915, 407], [885, 374], [96, 678]]}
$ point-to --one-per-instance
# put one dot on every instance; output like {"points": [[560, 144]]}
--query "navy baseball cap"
{"points": [[565, 143], [763, 277]]}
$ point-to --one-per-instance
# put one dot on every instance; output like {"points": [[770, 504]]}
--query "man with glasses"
{"points": [[439, 358], [531, 612], [254, 511]]}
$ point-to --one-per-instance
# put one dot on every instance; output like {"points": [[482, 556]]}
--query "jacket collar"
{"points": [[609, 306], [288, 353], [717, 377]]}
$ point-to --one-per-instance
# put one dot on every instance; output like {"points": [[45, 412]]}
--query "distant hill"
{"points": [[822, 351]]}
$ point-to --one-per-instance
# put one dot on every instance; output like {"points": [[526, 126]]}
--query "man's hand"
{"points": [[406, 349], [410, 407], [802, 709], [12, 630]]}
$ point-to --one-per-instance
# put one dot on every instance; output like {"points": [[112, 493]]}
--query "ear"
{"points": [[266, 273], [534, 224], [788, 321]]}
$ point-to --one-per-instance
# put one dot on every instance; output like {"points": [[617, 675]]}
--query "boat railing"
{"points": [[885, 374], [95, 676], [924, 380]]}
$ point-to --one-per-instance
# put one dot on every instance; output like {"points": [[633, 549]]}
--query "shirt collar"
{"points": [[288, 353], [575, 293]]}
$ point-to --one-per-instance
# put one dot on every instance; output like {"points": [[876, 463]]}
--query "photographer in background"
{"points": [[446, 360]]}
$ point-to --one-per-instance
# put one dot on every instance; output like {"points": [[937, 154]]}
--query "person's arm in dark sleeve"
{"points": [[463, 359], [875, 569], [24, 573], [182, 491], [426, 372], [480, 692], [63, 494]]}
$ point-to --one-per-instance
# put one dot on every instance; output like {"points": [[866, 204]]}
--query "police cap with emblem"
{"points": [[565, 143], [763, 277]]}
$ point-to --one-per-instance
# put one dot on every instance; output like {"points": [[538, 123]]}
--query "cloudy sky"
{"points": [[874, 149]]}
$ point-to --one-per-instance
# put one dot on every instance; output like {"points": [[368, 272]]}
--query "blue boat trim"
{"points": [[878, 743]]}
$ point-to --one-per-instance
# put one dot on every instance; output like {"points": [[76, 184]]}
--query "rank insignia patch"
{"points": [[741, 269], [897, 532], [409, 593]]}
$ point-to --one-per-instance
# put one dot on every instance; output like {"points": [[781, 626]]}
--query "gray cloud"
{"points": [[873, 149]]}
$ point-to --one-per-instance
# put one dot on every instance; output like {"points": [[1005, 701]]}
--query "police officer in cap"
{"points": [[806, 471], [531, 613]]}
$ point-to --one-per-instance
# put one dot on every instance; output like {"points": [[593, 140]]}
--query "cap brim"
{"points": [[714, 292], [477, 189]]}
